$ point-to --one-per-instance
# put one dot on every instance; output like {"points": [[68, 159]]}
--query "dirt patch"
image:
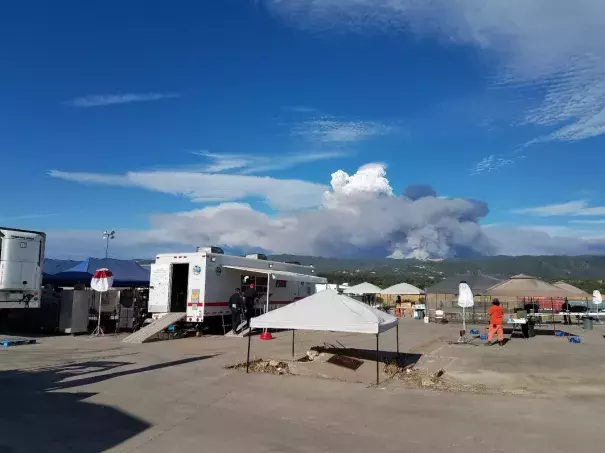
{"points": [[263, 366], [417, 378]]}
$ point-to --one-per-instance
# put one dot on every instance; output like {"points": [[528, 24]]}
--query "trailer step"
{"points": [[16, 342], [154, 328], [243, 333]]}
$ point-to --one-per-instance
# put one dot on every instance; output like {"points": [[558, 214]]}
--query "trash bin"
{"points": [[587, 323]]}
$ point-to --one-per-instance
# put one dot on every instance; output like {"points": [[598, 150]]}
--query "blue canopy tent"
{"points": [[53, 266], [126, 273]]}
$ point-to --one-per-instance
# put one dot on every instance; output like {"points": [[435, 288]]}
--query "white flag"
{"points": [[597, 299]]}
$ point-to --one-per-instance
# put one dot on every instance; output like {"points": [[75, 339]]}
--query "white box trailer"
{"points": [[21, 260], [200, 283]]}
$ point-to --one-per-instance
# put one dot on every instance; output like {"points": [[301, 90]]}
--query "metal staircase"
{"points": [[155, 327]]}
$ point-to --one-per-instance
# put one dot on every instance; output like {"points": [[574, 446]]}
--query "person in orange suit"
{"points": [[496, 315]]}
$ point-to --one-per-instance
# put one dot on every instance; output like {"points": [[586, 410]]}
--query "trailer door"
{"points": [[160, 284]]}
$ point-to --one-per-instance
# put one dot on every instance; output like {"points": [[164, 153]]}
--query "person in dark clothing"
{"points": [[566, 308], [236, 306], [250, 296]]}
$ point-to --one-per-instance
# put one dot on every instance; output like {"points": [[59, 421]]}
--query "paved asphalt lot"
{"points": [[92, 395]]}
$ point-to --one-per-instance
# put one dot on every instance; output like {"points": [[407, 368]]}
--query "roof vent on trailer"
{"points": [[257, 256], [210, 249]]}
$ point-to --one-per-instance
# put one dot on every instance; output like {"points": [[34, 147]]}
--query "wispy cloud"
{"points": [[328, 130], [102, 100], [301, 109], [284, 194], [251, 164], [554, 50], [571, 208], [491, 163], [589, 222], [28, 216]]}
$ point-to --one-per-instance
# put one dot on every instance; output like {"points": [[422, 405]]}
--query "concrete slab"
{"points": [[91, 395]]}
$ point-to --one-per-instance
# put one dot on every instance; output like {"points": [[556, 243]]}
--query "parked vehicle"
{"points": [[200, 283], [21, 260]]}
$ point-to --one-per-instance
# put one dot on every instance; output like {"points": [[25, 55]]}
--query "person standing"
{"points": [[250, 296], [236, 306], [566, 309], [496, 316]]}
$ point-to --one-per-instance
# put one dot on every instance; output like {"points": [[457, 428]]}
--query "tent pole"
{"points": [[268, 285], [552, 307], [248, 356], [377, 367], [292, 343], [100, 307], [397, 331]]}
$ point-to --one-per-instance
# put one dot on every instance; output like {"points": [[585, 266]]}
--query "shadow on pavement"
{"points": [[404, 359], [35, 417]]}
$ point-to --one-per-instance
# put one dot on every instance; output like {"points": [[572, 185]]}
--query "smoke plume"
{"points": [[360, 215]]}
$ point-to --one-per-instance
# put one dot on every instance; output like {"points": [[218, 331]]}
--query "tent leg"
{"points": [[552, 309], [397, 332], [248, 355], [377, 365], [292, 343]]}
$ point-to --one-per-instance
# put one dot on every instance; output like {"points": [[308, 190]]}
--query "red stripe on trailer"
{"points": [[271, 302]]}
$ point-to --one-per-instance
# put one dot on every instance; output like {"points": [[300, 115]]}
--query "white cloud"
{"points": [[543, 240], [331, 130], [28, 216], [491, 163], [358, 216], [554, 47], [589, 222], [204, 187], [102, 100], [301, 109], [571, 208], [250, 164]]}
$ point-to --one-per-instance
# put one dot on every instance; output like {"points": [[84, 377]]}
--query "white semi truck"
{"points": [[21, 260], [200, 283]]}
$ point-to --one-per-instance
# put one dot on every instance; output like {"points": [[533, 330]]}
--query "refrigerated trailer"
{"points": [[200, 283], [21, 260]]}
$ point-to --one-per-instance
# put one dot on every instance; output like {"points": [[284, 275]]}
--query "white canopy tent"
{"points": [[327, 311], [363, 288], [402, 288]]}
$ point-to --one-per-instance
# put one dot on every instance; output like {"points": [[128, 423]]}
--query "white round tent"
{"points": [[363, 288], [402, 289]]}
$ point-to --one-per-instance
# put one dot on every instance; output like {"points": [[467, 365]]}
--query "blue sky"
{"points": [[135, 115]]}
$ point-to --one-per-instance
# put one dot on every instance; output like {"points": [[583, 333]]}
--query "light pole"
{"points": [[107, 235]]}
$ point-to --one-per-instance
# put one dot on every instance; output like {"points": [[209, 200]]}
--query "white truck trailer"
{"points": [[21, 260], [200, 283]]}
